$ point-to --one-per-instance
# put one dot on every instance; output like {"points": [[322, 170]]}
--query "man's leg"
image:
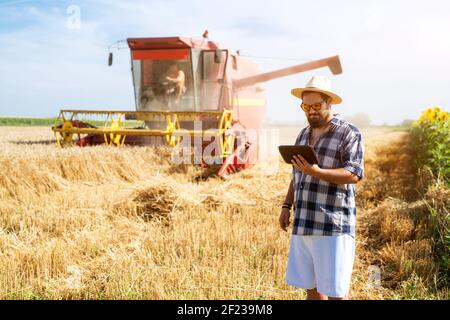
{"points": [[333, 264], [300, 270], [312, 294]]}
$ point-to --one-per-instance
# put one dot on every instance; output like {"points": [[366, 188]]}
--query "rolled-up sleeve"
{"points": [[353, 153]]}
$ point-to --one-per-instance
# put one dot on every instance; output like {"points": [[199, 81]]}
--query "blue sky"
{"points": [[394, 53]]}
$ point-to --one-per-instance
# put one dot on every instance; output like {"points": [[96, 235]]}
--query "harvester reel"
{"points": [[115, 138], [172, 125], [226, 122], [66, 137]]}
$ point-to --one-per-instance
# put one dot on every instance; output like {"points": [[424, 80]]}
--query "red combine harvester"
{"points": [[190, 94]]}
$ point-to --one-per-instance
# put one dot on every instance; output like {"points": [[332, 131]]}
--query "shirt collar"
{"points": [[336, 118], [335, 121]]}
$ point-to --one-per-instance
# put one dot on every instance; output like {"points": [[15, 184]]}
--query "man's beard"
{"points": [[316, 122]]}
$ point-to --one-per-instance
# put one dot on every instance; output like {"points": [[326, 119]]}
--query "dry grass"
{"points": [[112, 223], [393, 223]]}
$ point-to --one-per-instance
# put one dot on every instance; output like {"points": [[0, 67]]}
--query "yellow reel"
{"points": [[66, 137], [115, 138], [172, 125]]}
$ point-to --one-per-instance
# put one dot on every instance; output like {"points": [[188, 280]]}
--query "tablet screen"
{"points": [[306, 151]]}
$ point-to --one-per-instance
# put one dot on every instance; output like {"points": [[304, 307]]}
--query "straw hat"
{"points": [[318, 84]]}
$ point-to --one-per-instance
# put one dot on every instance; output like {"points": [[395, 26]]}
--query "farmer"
{"points": [[322, 247], [177, 78]]}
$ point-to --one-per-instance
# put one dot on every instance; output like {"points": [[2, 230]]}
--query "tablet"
{"points": [[307, 152]]}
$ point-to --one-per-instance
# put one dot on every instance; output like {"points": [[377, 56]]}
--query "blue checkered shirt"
{"points": [[323, 208]]}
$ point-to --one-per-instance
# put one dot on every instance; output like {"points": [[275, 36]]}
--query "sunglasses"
{"points": [[314, 106]]}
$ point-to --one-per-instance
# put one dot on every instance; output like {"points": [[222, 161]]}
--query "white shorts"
{"points": [[322, 262]]}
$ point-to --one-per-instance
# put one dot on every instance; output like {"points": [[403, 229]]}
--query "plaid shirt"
{"points": [[323, 208]]}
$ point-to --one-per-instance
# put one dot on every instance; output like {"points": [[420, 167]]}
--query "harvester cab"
{"points": [[191, 94]]}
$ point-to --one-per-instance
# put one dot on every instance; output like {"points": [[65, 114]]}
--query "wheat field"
{"points": [[123, 223]]}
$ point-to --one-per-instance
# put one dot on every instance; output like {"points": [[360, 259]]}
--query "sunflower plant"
{"points": [[431, 138]]}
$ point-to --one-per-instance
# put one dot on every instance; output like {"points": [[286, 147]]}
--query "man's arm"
{"points": [[336, 176], [179, 78], [285, 212], [290, 194]]}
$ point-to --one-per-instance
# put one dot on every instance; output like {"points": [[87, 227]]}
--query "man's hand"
{"points": [[304, 166], [284, 218]]}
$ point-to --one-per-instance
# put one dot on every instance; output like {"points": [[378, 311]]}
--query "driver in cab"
{"points": [[176, 77]]}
